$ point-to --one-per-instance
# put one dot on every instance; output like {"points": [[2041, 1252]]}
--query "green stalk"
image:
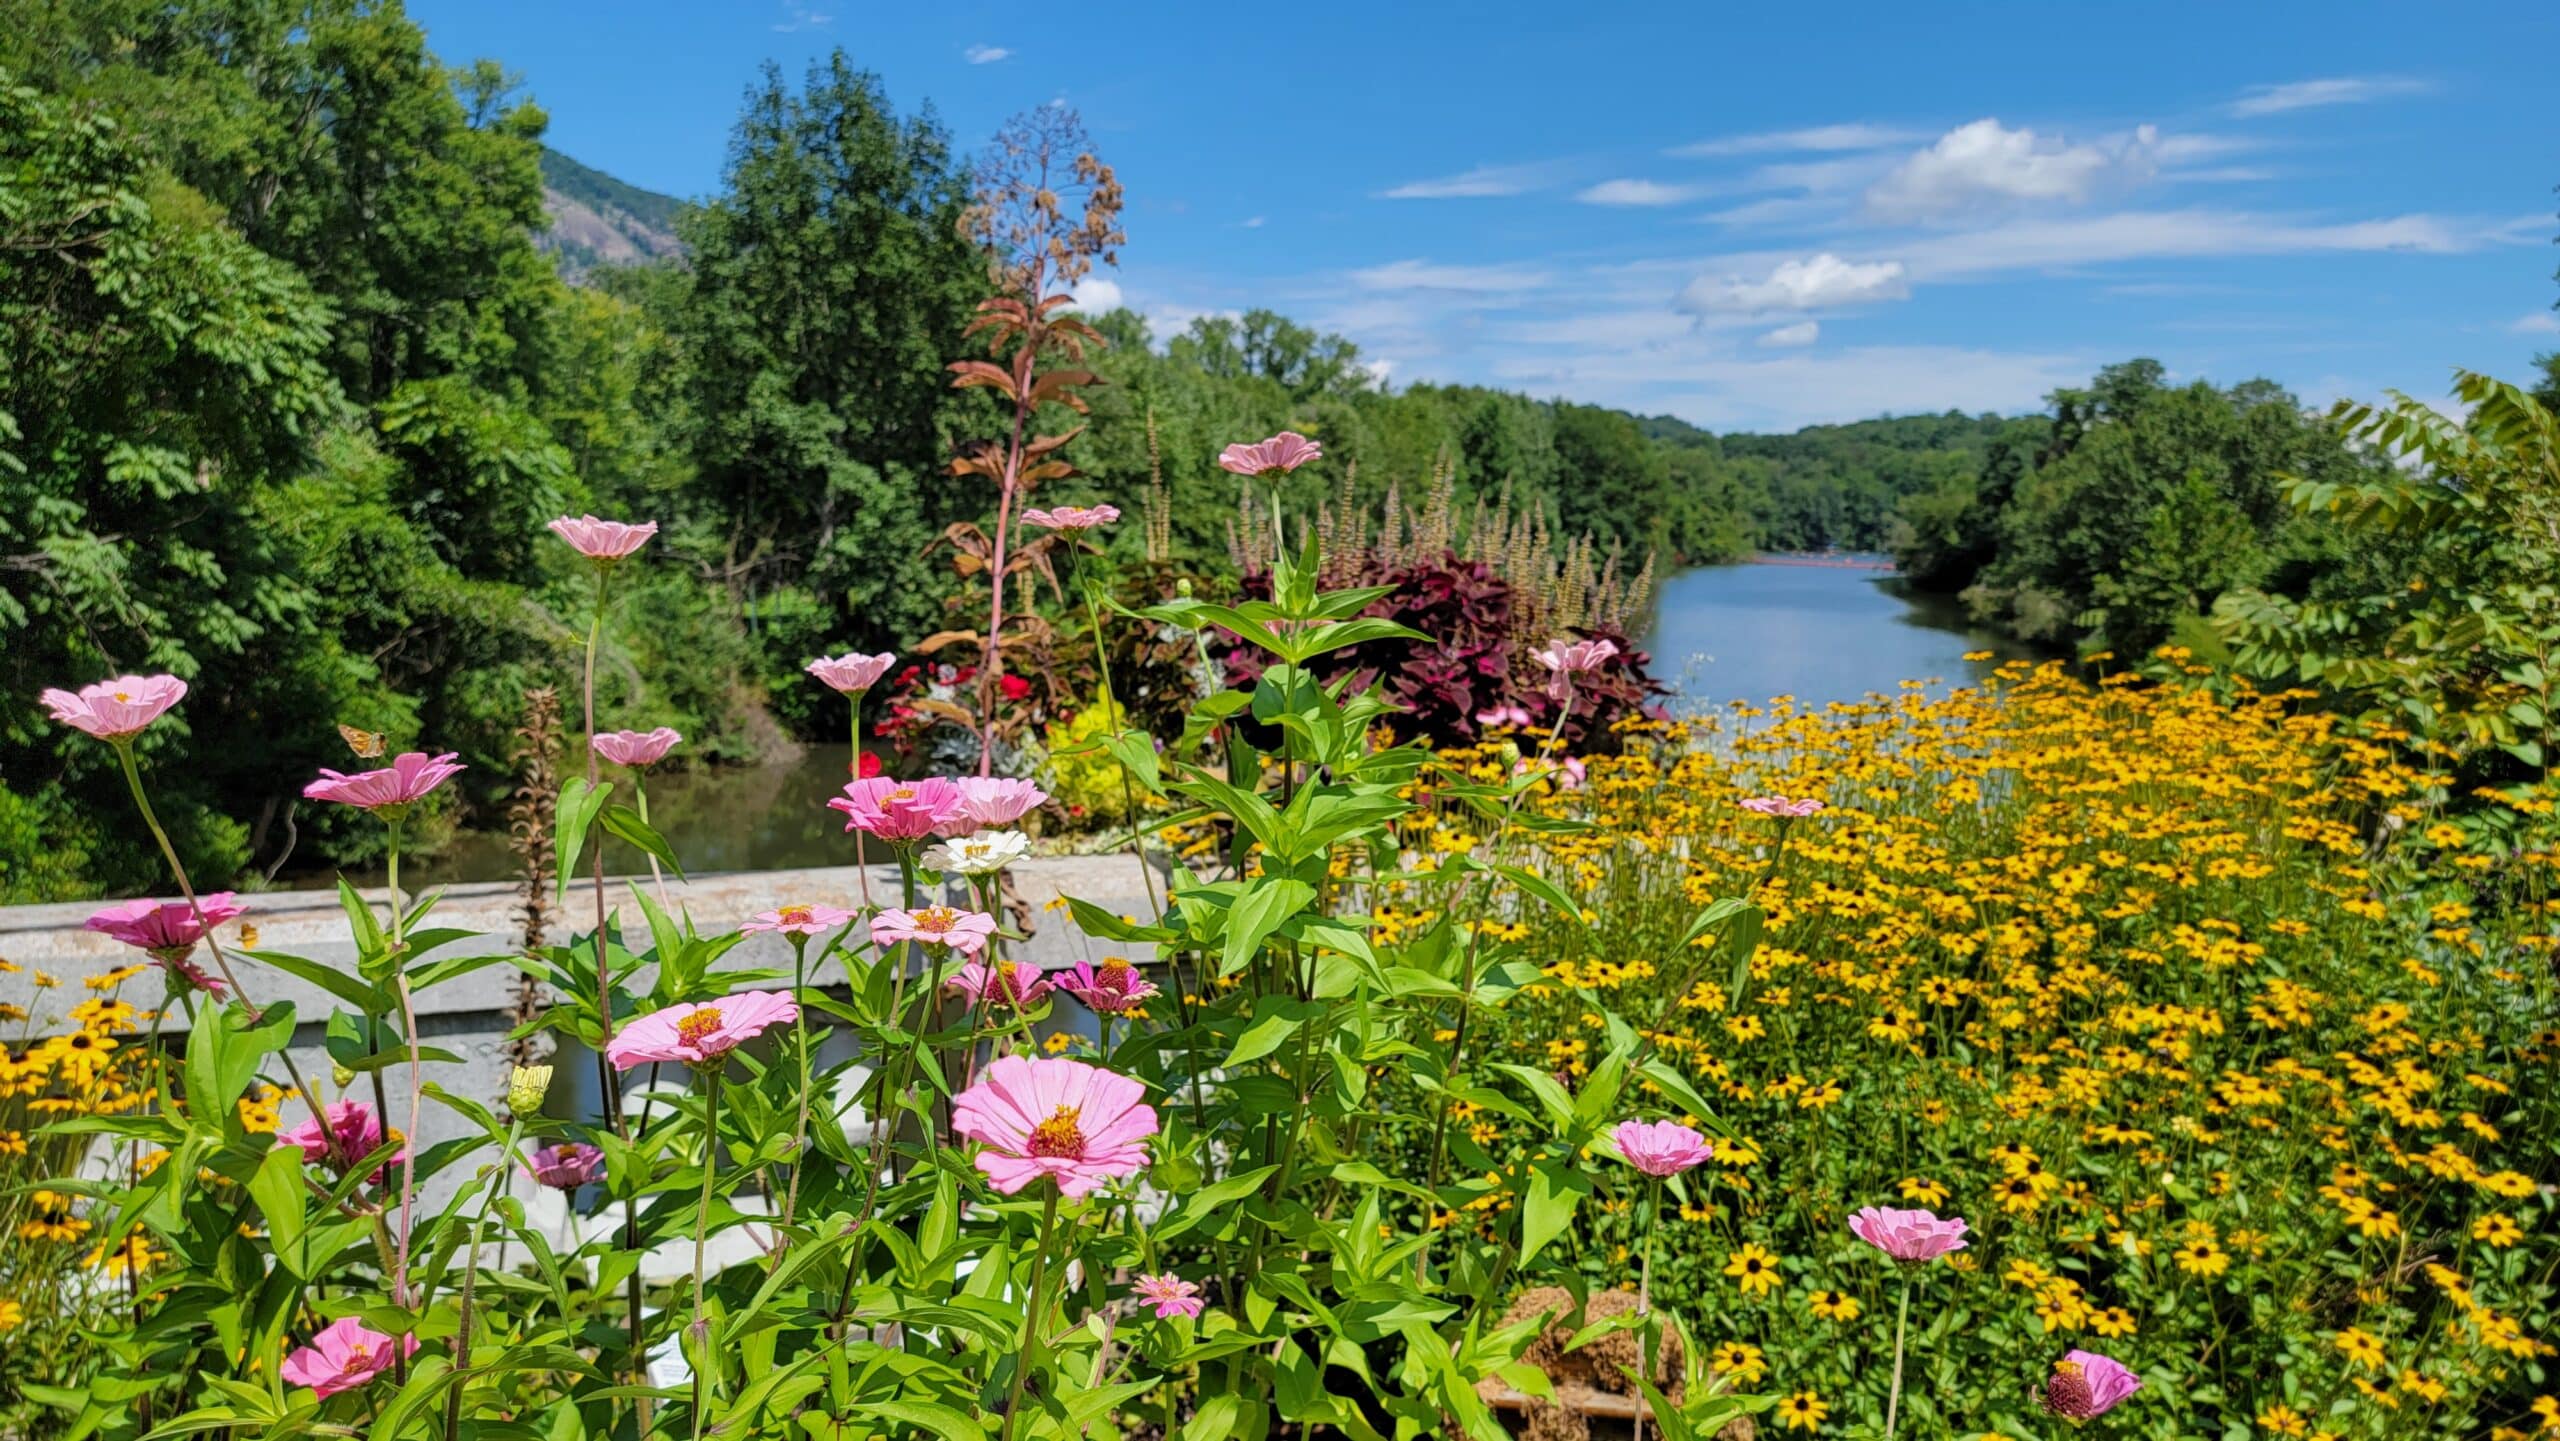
{"points": [[800, 1127], [1649, 1328], [701, 1226], [470, 1282], [1035, 1319], [1901, 1322]]}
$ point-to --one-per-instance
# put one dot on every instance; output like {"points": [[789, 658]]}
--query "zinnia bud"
{"points": [[1182, 587], [526, 1086], [343, 1075]]}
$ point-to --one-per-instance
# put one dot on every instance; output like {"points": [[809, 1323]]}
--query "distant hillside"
{"points": [[599, 220]]}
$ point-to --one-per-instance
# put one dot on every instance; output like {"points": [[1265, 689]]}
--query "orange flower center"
{"points": [[1113, 965], [794, 915], [701, 1023], [903, 793], [937, 919], [1059, 1136], [122, 698], [359, 1352]]}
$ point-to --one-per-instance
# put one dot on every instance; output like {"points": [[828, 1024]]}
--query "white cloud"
{"points": [[2540, 322], [1787, 337], [2334, 90], [1254, 222], [1805, 387], [1470, 279], [801, 17], [1378, 371], [2165, 234], [1815, 138], [1635, 192], [1484, 180], [985, 54], [1816, 283], [1985, 163], [1098, 293]]}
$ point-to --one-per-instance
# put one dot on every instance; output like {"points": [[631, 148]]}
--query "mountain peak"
{"points": [[597, 219]]}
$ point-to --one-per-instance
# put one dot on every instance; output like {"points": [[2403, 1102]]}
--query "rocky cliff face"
{"points": [[599, 220]]}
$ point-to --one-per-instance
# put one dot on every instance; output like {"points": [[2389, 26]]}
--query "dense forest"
{"points": [[304, 333]]}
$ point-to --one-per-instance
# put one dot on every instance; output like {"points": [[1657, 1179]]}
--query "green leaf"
{"points": [[1551, 1094], [625, 822], [345, 985], [1277, 1018], [1545, 890], [1266, 905], [940, 1420], [1200, 1205], [575, 812], [1554, 1190]]}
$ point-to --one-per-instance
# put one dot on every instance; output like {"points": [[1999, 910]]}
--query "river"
{"points": [[1818, 632]]}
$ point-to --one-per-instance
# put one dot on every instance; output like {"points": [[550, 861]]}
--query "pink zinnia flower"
{"points": [[637, 748], [1570, 658], [409, 778], [1780, 806], [798, 920], [1911, 1237], [2086, 1385], [1664, 1148], [998, 983], [963, 931], [695, 1034], [603, 541], [344, 1356], [853, 672], [1079, 1125], [166, 929], [1072, 518], [1115, 988], [567, 1166], [899, 811], [1170, 1295], [991, 801], [114, 709], [356, 1132], [1505, 714], [1279, 455]]}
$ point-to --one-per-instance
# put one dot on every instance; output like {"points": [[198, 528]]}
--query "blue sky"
{"points": [[1751, 217]]}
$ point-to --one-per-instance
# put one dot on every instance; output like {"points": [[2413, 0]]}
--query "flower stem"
{"points": [[701, 1226], [470, 1282], [800, 1127], [1893, 1398], [1035, 1320], [1648, 1327]]}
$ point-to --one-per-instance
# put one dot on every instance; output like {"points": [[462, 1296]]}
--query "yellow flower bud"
{"points": [[343, 1075], [526, 1086]]}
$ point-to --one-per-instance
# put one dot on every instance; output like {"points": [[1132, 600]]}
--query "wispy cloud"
{"points": [[1405, 275], [985, 54], [2176, 234], [802, 17], [1787, 337], [1987, 164], [2333, 90], [1484, 180], [1254, 222], [1636, 192], [2540, 322], [1814, 138], [1818, 282]]}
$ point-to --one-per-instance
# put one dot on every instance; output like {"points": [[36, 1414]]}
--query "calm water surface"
{"points": [[1819, 633]]}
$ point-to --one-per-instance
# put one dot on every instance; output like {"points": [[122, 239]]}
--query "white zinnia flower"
{"points": [[982, 854]]}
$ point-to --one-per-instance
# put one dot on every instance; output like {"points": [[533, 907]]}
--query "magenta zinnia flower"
{"points": [[696, 1034], [1170, 1295], [1279, 455], [603, 541], [1783, 808], [168, 930], [2086, 1385], [354, 1132], [900, 811], [345, 1355], [853, 672], [998, 983], [409, 778], [798, 920], [1079, 1125], [1072, 518], [1911, 1237], [114, 709], [991, 801], [1115, 988], [567, 1166], [963, 931], [1664, 1148], [637, 748]]}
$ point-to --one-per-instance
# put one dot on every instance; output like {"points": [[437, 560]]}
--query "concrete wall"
{"points": [[469, 1016]]}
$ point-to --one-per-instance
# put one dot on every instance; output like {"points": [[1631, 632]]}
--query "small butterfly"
{"points": [[368, 745], [248, 936]]}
